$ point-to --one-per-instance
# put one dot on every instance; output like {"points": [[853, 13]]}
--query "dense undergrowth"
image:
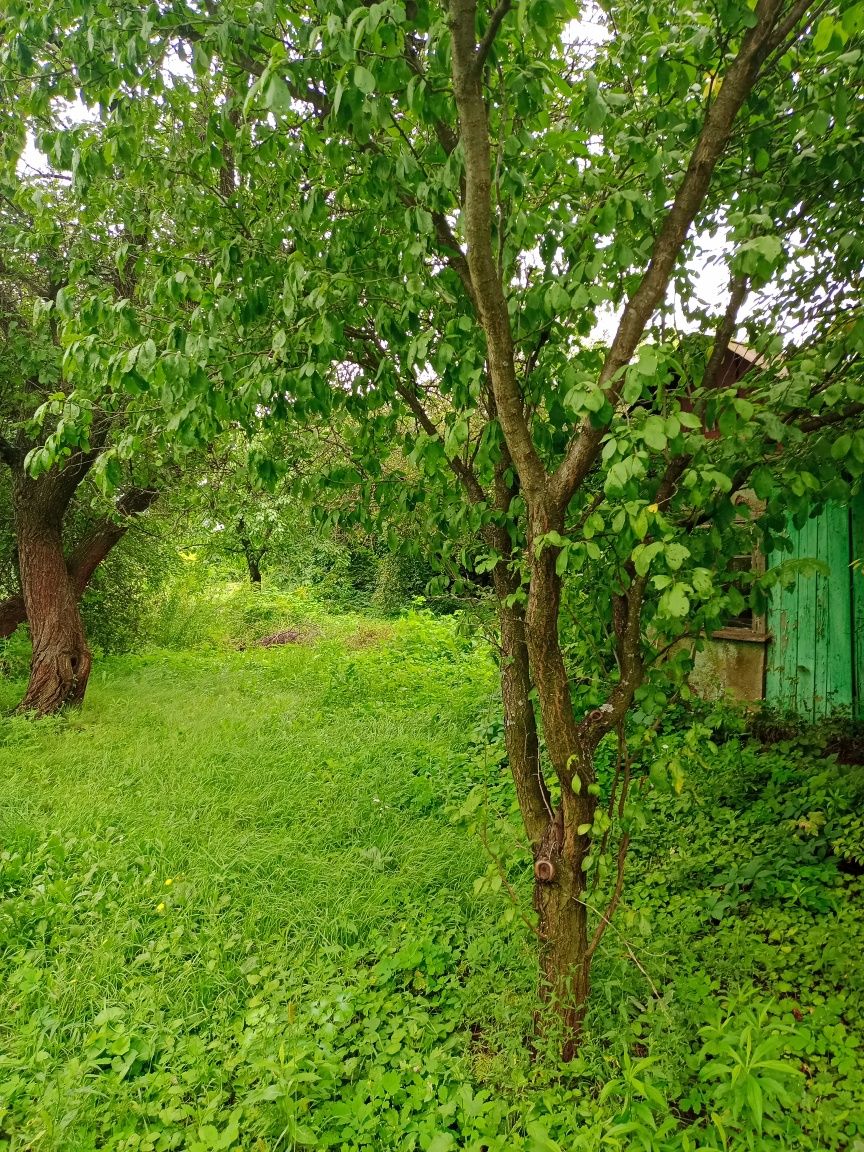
{"points": [[244, 903]]}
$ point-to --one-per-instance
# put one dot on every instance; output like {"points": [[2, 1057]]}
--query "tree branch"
{"points": [[491, 302], [86, 556], [725, 331], [491, 32]]}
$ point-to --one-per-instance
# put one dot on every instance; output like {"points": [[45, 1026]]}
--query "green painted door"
{"points": [[811, 658], [857, 578]]}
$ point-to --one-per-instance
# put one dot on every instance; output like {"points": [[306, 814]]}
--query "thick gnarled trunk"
{"points": [[60, 664]]}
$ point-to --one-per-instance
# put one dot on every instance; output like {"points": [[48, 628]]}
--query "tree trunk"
{"points": [[520, 723], [253, 566], [560, 880], [559, 852], [564, 958], [60, 663], [253, 555]]}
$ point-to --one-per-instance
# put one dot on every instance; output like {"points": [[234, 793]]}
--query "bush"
{"points": [[121, 603]]}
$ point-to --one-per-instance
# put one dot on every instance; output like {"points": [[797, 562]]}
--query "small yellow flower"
{"points": [[653, 507], [168, 881], [161, 906]]}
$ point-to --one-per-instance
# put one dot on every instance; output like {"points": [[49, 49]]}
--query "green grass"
{"points": [[239, 910], [207, 819]]}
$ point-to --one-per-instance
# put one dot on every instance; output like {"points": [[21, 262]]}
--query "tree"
{"points": [[83, 244], [461, 199], [46, 257]]}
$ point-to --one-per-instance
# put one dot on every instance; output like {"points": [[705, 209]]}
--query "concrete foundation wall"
{"points": [[734, 669]]}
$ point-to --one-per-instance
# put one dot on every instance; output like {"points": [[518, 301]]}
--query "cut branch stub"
{"points": [[544, 870]]}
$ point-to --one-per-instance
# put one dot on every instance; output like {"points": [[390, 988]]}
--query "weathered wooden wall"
{"points": [[812, 653]]}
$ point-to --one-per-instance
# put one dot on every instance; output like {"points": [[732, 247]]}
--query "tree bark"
{"points": [[520, 721], [60, 664], [564, 958], [559, 875], [253, 562]]}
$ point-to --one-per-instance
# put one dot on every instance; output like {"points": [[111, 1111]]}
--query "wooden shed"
{"points": [[807, 653]]}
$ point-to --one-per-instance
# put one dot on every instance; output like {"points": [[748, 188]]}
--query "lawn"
{"points": [[244, 905]]}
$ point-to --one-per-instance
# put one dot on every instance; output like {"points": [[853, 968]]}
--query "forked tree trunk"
{"points": [[86, 556]]}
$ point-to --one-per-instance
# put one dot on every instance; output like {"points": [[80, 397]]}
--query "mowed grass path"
{"points": [[216, 830]]}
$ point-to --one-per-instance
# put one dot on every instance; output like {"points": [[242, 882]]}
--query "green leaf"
{"points": [[654, 433], [675, 602], [824, 33], [277, 96], [643, 554], [364, 80], [539, 1139], [648, 361], [557, 299], [441, 1142], [146, 357], [63, 303], [675, 554], [760, 254]]}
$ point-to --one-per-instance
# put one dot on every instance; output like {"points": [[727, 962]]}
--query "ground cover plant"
{"points": [[263, 898]]}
